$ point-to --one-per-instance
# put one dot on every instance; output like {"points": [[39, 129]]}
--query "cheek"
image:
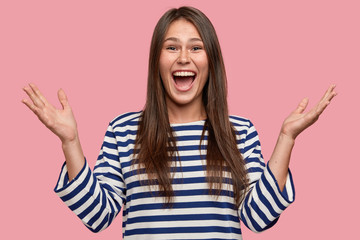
{"points": [[164, 67], [202, 63], [204, 70], [204, 73], [164, 73], [166, 60], [205, 64]]}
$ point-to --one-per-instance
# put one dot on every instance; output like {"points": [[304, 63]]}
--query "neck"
{"points": [[184, 114]]}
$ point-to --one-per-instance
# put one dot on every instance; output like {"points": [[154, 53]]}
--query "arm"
{"points": [[61, 122], [271, 188], [95, 197], [264, 202], [293, 125]]}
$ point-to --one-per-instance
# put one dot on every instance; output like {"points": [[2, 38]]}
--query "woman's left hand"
{"points": [[299, 120]]}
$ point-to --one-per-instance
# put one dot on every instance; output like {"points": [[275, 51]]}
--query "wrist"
{"points": [[286, 139], [69, 143]]}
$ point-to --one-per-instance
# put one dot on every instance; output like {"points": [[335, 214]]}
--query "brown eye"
{"points": [[197, 48]]}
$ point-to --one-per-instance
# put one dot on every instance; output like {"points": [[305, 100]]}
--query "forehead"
{"points": [[182, 28]]}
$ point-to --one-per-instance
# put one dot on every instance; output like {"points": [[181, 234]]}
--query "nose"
{"points": [[184, 57]]}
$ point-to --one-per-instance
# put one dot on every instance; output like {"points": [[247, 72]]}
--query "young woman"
{"points": [[181, 168]]}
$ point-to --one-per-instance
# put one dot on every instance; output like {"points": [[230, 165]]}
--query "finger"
{"points": [[332, 93], [63, 99], [329, 94], [34, 98], [38, 93], [321, 107], [325, 101], [31, 106], [302, 106]]}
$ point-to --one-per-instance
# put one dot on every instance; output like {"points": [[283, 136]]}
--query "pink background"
{"points": [[276, 53]]}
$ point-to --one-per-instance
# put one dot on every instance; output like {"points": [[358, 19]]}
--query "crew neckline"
{"points": [[188, 123]]}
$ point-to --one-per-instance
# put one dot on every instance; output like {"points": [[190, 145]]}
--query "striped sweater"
{"points": [[97, 196]]}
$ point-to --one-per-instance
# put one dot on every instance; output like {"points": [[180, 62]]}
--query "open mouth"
{"points": [[184, 79]]}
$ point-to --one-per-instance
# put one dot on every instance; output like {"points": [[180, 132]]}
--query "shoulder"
{"points": [[126, 119], [243, 126], [238, 121]]}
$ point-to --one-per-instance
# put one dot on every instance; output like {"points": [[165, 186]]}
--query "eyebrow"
{"points": [[178, 40]]}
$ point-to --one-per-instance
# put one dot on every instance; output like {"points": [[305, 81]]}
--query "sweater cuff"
{"points": [[63, 182], [75, 192], [282, 198]]}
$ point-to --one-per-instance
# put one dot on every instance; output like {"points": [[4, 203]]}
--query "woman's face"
{"points": [[184, 67]]}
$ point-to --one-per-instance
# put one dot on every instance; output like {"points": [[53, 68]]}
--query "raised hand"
{"points": [[59, 121], [293, 125], [299, 120]]}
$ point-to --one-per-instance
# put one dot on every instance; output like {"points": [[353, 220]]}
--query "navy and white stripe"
{"points": [[97, 197]]}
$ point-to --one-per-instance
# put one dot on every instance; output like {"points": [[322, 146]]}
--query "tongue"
{"points": [[183, 82]]}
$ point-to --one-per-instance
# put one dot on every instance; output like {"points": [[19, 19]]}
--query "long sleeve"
{"points": [[96, 197], [264, 202]]}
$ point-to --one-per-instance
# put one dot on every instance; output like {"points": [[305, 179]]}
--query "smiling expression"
{"points": [[184, 67]]}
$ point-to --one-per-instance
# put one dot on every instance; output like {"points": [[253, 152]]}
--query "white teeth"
{"points": [[184, 74]]}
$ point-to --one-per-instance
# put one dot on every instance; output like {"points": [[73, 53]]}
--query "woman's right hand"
{"points": [[60, 121]]}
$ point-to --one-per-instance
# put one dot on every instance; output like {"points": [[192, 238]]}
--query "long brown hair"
{"points": [[155, 142]]}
